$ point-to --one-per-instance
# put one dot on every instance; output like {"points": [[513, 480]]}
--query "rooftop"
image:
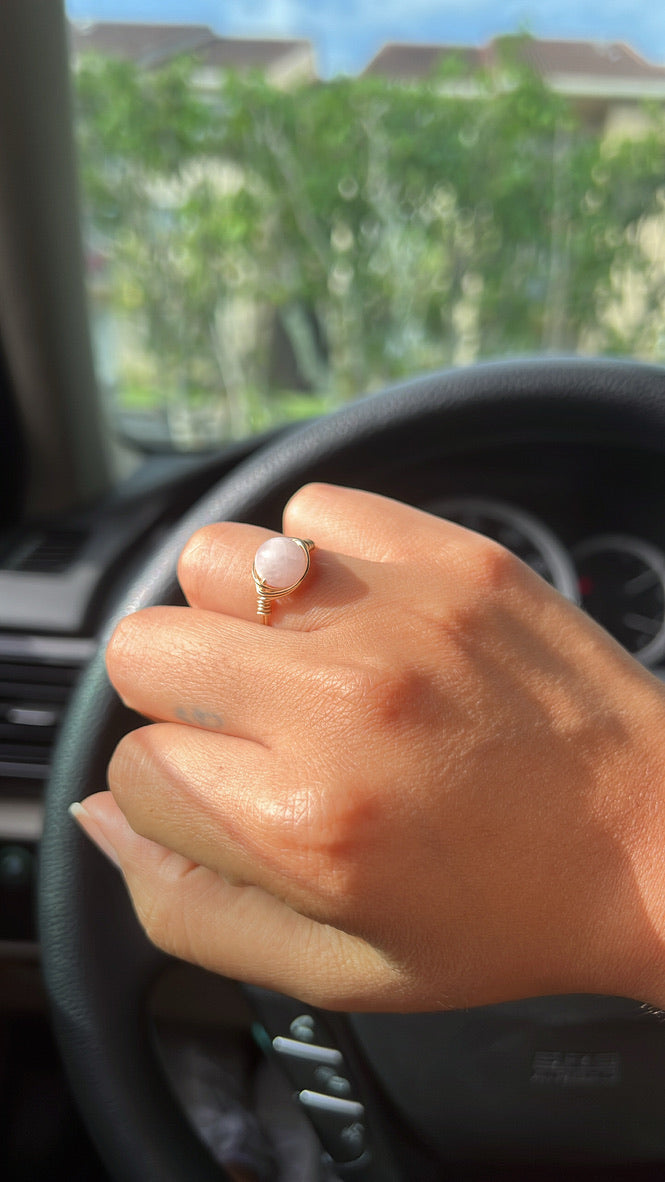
{"points": [[152, 44], [585, 59]]}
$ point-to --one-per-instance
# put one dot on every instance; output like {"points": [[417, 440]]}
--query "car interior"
{"points": [[116, 1062]]}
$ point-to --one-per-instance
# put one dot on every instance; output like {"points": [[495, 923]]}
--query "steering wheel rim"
{"points": [[97, 963]]}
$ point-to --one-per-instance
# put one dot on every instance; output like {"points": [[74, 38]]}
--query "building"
{"points": [[608, 83], [284, 62]]}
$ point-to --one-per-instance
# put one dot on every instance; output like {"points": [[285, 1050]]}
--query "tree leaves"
{"points": [[378, 228]]}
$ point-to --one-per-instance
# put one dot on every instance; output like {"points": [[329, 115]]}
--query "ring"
{"points": [[280, 565]]}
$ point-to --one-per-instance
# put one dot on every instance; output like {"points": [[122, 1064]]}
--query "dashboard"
{"points": [[617, 578], [588, 520], [59, 579]]}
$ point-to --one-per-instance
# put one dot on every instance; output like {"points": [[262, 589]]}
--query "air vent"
{"points": [[44, 551], [34, 690]]}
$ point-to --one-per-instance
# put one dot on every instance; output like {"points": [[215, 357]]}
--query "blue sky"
{"points": [[348, 32]]}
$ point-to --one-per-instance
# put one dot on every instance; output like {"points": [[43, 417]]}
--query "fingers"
{"points": [[215, 568], [240, 931], [215, 573], [347, 525], [366, 525], [206, 670], [231, 806], [212, 670], [204, 795]]}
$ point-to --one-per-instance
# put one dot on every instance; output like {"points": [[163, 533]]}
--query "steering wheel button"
{"points": [[302, 1028], [332, 1083], [353, 1137], [338, 1123]]}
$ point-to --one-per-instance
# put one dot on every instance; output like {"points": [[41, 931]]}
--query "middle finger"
{"points": [[211, 671]]}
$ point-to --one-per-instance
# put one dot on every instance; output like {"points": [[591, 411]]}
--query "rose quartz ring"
{"points": [[280, 565]]}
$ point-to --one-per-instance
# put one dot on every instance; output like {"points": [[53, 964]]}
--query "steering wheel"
{"points": [[97, 962]]}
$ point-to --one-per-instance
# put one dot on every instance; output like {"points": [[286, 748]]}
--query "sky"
{"points": [[347, 33]]}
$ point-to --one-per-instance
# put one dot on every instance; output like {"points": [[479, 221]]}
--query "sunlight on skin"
{"points": [[437, 783]]}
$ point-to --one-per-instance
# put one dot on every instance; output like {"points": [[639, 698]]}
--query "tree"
{"points": [[387, 229]]}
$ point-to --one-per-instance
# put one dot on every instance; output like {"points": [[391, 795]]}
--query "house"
{"points": [[608, 83], [284, 61]]}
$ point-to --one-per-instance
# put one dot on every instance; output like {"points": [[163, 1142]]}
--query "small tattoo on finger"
{"points": [[194, 716]]}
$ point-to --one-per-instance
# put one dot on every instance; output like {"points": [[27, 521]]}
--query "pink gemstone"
{"points": [[280, 562]]}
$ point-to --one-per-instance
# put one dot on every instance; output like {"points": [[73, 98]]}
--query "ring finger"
{"points": [[215, 573]]}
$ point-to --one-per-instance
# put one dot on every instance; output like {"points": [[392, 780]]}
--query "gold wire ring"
{"points": [[265, 592]]}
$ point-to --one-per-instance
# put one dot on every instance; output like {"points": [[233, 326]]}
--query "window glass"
{"points": [[288, 208]]}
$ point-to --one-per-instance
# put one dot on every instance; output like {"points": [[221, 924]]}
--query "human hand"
{"points": [[432, 783]]}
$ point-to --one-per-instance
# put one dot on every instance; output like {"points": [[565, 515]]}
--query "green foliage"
{"points": [[383, 228]]}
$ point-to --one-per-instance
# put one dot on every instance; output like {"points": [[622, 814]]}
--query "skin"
{"points": [[432, 782]]}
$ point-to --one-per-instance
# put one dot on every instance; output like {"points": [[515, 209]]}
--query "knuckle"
{"points": [[300, 833], [495, 570], [305, 505], [393, 693], [376, 696], [163, 906], [321, 835], [129, 648], [128, 765], [197, 557], [120, 646], [160, 921], [150, 912]]}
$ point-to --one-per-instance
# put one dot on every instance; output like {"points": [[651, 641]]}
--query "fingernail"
{"points": [[94, 831]]}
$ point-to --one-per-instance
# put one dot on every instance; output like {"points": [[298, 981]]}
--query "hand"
{"points": [[432, 782]]}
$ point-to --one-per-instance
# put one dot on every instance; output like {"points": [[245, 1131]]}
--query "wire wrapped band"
{"points": [[267, 592]]}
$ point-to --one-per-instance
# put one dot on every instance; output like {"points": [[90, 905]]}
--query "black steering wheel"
{"points": [[97, 962]]}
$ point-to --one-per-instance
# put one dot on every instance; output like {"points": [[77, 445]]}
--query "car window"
{"points": [[284, 210]]}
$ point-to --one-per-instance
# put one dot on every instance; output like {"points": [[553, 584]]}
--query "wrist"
{"points": [[632, 962]]}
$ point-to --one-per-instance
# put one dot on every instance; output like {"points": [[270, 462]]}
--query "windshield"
{"points": [[289, 205]]}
